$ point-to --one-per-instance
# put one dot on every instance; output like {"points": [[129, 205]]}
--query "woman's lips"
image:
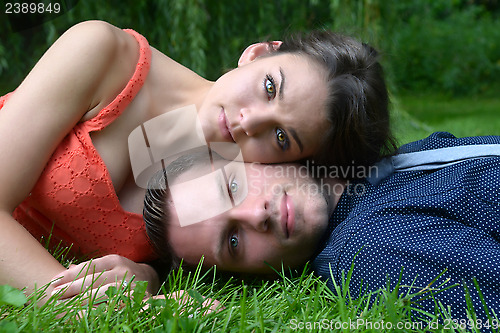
{"points": [[224, 127], [287, 215]]}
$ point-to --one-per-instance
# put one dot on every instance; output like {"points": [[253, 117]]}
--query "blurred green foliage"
{"points": [[453, 51], [451, 46]]}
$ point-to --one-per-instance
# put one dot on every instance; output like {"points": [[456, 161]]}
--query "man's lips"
{"points": [[287, 210], [224, 126]]}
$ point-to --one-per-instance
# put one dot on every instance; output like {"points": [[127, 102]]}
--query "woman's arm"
{"points": [[83, 70]]}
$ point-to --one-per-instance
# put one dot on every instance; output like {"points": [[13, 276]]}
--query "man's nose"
{"points": [[255, 120], [254, 214]]}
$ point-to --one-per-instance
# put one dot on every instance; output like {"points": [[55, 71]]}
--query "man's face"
{"points": [[279, 215]]}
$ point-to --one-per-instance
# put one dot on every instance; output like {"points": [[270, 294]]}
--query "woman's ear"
{"points": [[256, 50]]}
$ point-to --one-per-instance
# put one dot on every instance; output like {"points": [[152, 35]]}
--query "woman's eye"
{"points": [[282, 138], [270, 87]]}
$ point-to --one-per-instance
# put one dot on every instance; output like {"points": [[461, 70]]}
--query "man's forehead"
{"points": [[203, 191], [195, 171]]}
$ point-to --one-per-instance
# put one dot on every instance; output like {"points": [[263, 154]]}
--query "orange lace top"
{"points": [[74, 196]]}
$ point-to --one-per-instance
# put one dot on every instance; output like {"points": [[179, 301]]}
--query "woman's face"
{"points": [[273, 108]]}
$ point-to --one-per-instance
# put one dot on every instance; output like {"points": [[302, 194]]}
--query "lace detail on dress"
{"points": [[75, 197]]}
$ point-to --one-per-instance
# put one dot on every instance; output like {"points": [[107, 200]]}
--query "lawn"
{"points": [[292, 303], [297, 301], [417, 116]]}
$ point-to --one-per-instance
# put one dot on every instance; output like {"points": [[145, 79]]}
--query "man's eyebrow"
{"points": [[222, 188], [225, 186], [219, 245], [221, 242], [294, 134], [282, 83]]}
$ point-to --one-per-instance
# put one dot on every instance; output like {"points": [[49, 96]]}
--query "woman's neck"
{"points": [[173, 86]]}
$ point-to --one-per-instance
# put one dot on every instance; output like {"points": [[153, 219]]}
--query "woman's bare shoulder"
{"points": [[110, 55], [87, 66]]}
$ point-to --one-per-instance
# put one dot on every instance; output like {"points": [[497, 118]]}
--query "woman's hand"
{"points": [[99, 274]]}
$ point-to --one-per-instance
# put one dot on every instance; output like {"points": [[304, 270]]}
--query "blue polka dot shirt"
{"points": [[422, 223]]}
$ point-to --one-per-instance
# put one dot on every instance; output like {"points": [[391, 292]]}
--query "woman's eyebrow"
{"points": [[282, 84], [292, 131], [296, 137]]}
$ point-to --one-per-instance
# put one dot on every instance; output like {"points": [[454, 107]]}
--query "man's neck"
{"points": [[332, 190]]}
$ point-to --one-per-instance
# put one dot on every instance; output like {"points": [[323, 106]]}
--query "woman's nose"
{"points": [[254, 121]]}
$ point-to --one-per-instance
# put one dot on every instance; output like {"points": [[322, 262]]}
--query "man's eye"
{"points": [[282, 138], [233, 241], [233, 187], [269, 87]]}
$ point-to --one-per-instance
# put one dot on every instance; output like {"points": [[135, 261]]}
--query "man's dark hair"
{"points": [[156, 212]]}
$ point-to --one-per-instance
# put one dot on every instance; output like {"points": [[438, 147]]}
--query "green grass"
{"points": [[417, 116], [300, 303], [294, 302]]}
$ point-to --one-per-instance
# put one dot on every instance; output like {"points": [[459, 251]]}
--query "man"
{"points": [[440, 225]]}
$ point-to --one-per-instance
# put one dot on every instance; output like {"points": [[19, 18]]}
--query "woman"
{"points": [[65, 169]]}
